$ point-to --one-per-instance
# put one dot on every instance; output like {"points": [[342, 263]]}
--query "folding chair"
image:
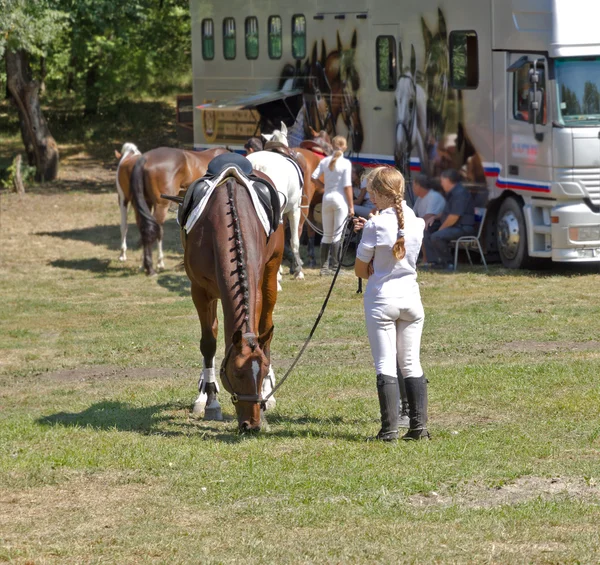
{"points": [[471, 242]]}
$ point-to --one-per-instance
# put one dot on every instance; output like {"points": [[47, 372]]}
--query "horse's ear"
{"points": [[267, 136], [265, 338], [315, 56], [339, 43], [442, 25], [118, 155], [427, 37], [354, 42], [284, 129], [323, 53], [312, 131], [400, 58], [237, 339], [413, 61]]}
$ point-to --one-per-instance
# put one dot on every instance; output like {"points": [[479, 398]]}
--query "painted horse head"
{"points": [[317, 92], [342, 75], [411, 116], [437, 72]]}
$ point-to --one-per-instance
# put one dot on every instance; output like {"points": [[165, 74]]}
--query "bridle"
{"points": [[235, 397]]}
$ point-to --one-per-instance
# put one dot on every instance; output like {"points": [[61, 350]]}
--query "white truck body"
{"points": [[426, 85]]}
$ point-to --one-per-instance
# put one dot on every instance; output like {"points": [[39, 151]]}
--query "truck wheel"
{"points": [[512, 235]]}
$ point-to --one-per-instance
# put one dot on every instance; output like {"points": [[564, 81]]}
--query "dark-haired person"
{"points": [[457, 219], [429, 203], [337, 204], [253, 144], [387, 257]]}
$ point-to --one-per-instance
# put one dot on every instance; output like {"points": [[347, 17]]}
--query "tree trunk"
{"points": [[41, 148], [17, 178], [92, 96]]}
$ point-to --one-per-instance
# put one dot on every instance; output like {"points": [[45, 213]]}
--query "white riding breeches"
{"points": [[334, 211], [395, 327]]}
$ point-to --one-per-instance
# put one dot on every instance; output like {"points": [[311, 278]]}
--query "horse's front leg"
{"points": [[123, 207], [207, 404], [294, 218]]}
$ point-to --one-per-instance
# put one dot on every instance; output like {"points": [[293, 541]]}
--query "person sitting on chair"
{"points": [[363, 206], [430, 203], [457, 219]]}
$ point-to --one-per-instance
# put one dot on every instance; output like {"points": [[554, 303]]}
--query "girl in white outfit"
{"points": [[387, 257], [338, 201]]}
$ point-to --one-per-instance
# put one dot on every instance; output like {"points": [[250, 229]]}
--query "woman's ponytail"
{"points": [[399, 250], [340, 145]]}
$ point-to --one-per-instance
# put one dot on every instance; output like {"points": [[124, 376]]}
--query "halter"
{"points": [[235, 397]]}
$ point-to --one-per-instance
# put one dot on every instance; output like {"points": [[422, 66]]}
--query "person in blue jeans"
{"points": [[457, 219]]}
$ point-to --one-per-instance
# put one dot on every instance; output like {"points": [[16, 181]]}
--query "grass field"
{"points": [[101, 463]]}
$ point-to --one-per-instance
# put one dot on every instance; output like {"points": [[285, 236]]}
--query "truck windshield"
{"points": [[578, 84]]}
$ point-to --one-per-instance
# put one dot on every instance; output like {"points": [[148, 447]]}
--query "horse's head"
{"points": [[278, 135], [244, 368]]}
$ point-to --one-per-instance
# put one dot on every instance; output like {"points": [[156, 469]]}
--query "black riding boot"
{"points": [[325, 248], [335, 254], [416, 392], [310, 248], [403, 421], [389, 405]]}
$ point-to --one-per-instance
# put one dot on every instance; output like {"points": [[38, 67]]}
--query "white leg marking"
{"points": [[123, 207], [267, 387], [161, 257]]}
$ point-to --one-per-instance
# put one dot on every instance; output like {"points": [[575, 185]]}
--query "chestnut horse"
{"points": [[229, 257], [164, 170]]}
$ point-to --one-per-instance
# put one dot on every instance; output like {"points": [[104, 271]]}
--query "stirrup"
{"points": [[415, 435]]}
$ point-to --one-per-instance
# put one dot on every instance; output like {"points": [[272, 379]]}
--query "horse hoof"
{"points": [[299, 276], [279, 289], [122, 258], [213, 413]]}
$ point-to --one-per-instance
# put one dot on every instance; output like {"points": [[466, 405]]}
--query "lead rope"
{"points": [[312, 331]]}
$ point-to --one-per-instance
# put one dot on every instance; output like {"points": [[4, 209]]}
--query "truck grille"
{"points": [[590, 178]]}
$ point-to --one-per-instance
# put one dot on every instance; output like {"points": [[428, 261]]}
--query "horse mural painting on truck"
{"points": [[506, 91]]}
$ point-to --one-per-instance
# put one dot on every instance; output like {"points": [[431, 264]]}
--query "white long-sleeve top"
{"points": [[335, 180], [391, 278]]}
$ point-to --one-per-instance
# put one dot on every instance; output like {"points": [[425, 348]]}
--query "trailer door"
{"points": [[529, 146]]}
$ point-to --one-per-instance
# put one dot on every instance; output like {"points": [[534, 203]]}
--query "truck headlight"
{"points": [[585, 233]]}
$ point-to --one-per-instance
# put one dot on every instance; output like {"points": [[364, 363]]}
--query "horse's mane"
{"points": [[241, 257]]}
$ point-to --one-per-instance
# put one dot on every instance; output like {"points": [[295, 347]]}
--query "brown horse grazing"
{"points": [[229, 256], [164, 170]]}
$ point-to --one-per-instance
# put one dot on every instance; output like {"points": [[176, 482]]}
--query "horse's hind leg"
{"points": [[294, 218], [160, 214], [123, 207], [207, 404]]}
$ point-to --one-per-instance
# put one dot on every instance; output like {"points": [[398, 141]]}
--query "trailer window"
{"points": [[229, 38], [298, 36], [464, 60], [275, 41], [385, 54], [251, 37], [521, 90], [208, 40]]}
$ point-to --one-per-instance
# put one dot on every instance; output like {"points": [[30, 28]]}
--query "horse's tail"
{"points": [[149, 228]]}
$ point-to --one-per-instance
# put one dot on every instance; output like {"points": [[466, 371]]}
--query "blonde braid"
{"points": [[399, 250]]}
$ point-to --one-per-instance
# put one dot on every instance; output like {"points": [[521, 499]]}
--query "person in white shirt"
{"points": [[430, 203], [337, 204], [387, 257]]}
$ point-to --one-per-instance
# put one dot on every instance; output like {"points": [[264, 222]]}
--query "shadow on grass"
{"points": [[160, 420], [99, 266], [174, 283], [109, 236]]}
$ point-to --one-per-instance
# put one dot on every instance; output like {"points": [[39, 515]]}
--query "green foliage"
{"points": [[8, 177]]}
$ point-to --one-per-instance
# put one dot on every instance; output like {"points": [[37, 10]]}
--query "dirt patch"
{"points": [[111, 372], [522, 490]]}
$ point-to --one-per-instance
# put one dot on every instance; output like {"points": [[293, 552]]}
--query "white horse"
{"points": [[411, 117], [286, 179], [127, 158]]}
